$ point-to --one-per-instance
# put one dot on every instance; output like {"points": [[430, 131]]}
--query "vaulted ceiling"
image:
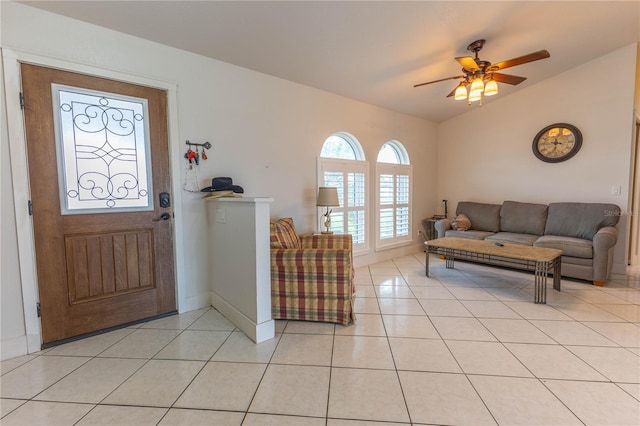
{"points": [[375, 52]]}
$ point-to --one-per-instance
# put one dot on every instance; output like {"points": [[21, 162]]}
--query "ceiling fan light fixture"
{"points": [[475, 96], [491, 88], [461, 92], [477, 86], [479, 74]]}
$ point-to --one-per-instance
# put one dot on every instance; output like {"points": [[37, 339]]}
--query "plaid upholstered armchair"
{"points": [[311, 276]]}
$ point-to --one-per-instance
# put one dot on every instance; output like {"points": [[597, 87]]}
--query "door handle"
{"points": [[163, 216]]}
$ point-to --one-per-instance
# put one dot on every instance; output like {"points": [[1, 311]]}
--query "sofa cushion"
{"points": [[510, 237], [523, 218], [461, 223], [484, 217], [573, 247], [580, 220], [471, 234], [283, 234]]}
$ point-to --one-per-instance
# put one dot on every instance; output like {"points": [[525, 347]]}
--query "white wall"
{"points": [[486, 154], [266, 134]]}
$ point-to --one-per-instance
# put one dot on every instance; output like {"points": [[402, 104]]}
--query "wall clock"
{"points": [[557, 142]]}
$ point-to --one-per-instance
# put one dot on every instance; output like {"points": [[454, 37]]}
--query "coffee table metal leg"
{"points": [[448, 254], [426, 263], [540, 284], [557, 272]]}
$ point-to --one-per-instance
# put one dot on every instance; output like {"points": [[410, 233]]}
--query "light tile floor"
{"points": [[465, 346]]}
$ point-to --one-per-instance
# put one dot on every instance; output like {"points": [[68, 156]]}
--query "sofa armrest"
{"points": [[443, 226], [603, 242], [326, 241], [605, 238], [328, 261]]}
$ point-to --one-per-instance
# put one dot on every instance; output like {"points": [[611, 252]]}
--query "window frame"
{"points": [[402, 169], [401, 153], [347, 166], [344, 166], [351, 141]]}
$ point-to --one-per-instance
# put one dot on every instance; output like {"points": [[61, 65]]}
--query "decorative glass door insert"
{"points": [[103, 151]]}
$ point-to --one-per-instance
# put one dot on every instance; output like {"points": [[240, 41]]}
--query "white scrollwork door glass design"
{"points": [[102, 142]]}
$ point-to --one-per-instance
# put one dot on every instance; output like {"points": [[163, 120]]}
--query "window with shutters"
{"points": [[342, 165], [393, 204]]}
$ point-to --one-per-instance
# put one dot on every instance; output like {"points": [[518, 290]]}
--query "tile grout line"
{"points": [[585, 323], [395, 366], [204, 365], [138, 369], [264, 373]]}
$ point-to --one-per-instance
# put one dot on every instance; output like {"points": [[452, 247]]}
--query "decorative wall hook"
{"points": [[206, 145], [194, 156]]}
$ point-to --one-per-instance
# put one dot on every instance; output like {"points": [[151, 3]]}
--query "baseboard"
{"points": [[256, 332], [199, 301], [381, 255], [13, 347], [619, 268]]}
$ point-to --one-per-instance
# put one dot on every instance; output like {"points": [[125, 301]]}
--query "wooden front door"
{"points": [[103, 233]]}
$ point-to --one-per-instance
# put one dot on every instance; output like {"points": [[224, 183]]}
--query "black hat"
{"points": [[223, 184]]}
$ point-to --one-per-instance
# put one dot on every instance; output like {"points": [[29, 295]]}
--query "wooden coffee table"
{"points": [[541, 260]]}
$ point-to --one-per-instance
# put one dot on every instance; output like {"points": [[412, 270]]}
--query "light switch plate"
{"points": [[221, 215]]}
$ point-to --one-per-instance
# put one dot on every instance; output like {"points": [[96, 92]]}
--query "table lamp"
{"points": [[327, 197]]}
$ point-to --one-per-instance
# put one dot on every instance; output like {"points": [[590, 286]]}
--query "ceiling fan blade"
{"points": [[507, 78], [453, 92], [535, 56], [437, 81], [467, 62]]}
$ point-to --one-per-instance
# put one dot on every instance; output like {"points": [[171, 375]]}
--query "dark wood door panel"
{"points": [[106, 264], [99, 270]]}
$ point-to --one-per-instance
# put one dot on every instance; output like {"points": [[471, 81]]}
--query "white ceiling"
{"points": [[375, 52]]}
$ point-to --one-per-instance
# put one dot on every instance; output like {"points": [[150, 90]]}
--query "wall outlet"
{"points": [[616, 190]]}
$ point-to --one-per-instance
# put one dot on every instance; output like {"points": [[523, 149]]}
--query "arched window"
{"points": [[393, 177], [342, 145], [393, 152], [341, 165]]}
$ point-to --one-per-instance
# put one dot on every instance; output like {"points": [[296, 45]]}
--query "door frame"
{"points": [[633, 242], [11, 60]]}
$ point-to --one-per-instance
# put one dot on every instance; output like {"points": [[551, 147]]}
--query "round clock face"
{"points": [[557, 142]]}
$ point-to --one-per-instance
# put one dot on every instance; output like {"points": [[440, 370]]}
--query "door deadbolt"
{"points": [[165, 200]]}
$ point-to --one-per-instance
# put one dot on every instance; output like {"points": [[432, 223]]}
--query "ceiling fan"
{"points": [[482, 76]]}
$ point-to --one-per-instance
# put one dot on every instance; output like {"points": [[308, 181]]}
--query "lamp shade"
{"points": [[491, 88], [327, 196], [477, 86], [461, 92], [475, 96]]}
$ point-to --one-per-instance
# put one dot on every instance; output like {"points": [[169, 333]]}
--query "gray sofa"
{"points": [[585, 232]]}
